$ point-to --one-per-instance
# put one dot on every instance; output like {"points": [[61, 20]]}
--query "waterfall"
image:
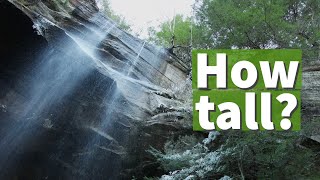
{"points": [[53, 79], [89, 93]]}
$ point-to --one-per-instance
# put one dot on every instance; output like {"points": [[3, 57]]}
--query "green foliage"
{"points": [[117, 18], [186, 158], [245, 24], [180, 32], [262, 24], [179, 27], [251, 24], [269, 155], [182, 28], [174, 155], [249, 155]]}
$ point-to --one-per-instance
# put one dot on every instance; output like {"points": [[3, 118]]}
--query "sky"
{"points": [[141, 14]]}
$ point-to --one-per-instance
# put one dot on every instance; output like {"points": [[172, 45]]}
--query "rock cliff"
{"points": [[82, 99], [87, 99]]}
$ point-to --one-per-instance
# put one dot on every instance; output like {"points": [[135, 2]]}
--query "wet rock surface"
{"points": [[81, 98], [84, 99]]}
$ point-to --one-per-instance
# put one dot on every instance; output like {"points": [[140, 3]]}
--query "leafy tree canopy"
{"points": [[247, 24], [262, 24], [120, 20]]}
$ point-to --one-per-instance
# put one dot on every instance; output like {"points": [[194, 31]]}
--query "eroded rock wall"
{"points": [[89, 101]]}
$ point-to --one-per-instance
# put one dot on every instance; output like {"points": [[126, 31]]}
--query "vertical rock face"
{"points": [[86, 100]]}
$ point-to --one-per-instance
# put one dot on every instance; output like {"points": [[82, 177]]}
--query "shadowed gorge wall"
{"points": [[20, 45], [83, 100], [22, 51]]}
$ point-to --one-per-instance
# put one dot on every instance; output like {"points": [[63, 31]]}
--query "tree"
{"points": [[120, 20], [246, 24], [185, 31], [179, 27], [260, 24], [180, 32]]}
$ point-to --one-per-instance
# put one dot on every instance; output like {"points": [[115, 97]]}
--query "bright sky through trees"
{"points": [[141, 14]]}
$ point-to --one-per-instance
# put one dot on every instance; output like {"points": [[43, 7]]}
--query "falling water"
{"points": [[111, 101], [58, 76], [101, 140], [135, 60], [54, 78]]}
